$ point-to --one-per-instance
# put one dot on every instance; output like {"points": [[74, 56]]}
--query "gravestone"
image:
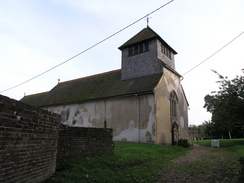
{"points": [[215, 143]]}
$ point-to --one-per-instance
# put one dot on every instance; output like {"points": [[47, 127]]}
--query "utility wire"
{"points": [[214, 53], [88, 48], [205, 59]]}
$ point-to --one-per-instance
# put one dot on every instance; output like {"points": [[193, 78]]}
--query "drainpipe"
{"points": [[105, 122]]}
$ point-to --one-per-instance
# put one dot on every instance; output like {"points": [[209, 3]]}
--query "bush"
{"points": [[241, 175], [183, 143]]}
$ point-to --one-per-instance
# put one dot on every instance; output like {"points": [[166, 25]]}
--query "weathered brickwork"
{"points": [[77, 141], [28, 142]]}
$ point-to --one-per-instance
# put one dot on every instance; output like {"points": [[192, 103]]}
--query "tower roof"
{"points": [[145, 34]]}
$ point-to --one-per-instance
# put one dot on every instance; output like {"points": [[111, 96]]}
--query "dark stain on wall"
{"points": [[65, 115], [74, 122], [77, 112], [148, 137]]}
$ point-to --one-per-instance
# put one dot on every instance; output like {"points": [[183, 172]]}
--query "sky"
{"points": [[36, 36]]}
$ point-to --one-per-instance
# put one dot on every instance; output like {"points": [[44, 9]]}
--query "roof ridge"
{"points": [[89, 76], [140, 36], [36, 94]]}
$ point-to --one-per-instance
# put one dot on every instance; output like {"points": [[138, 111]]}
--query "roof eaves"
{"points": [[153, 36], [185, 95], [101, 98], [172, 70], [160, 39]]}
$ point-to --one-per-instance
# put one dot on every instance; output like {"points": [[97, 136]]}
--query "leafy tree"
{"points": [[227, 107], [209, 129]]}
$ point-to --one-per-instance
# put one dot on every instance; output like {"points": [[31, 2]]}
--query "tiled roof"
{"points": [[145, 34], [34, 99], [105, 85]]}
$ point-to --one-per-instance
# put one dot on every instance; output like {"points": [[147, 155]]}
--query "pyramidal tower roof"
{"points": [[145, 34]]}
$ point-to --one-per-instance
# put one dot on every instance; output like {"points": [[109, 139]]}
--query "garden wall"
{"points": [[79, 141], [28, 142]]}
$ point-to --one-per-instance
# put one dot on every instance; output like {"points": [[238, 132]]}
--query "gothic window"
{"points": [[138, 48], [166, 51], [173, 102]]}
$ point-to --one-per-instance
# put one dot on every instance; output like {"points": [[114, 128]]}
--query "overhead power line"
{"points": [[206, 58], [87, 48], [213, 53]]}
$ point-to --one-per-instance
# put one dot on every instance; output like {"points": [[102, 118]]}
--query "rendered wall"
{"points": [[28, 142], [170, 82], [131, 118]]}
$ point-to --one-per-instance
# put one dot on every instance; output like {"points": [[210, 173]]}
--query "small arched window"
{"points": [[173, 102]]}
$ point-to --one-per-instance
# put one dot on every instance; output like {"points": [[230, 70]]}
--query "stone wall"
{"points": [[75, 142], [28, 142]]}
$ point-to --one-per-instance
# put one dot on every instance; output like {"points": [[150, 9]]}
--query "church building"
{"points": [[142, 102]]}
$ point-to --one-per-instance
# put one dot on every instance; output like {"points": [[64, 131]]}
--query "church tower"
{"points": [[145, 54]]}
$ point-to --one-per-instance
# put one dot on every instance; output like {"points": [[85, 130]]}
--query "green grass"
{"points": [[222, 142], [131, 162], [233, 149]]}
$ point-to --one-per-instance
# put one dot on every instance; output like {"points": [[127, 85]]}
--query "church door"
{"points": [[175, 134]]}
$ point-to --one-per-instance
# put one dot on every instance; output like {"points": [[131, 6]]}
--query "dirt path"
{"points": [[201, 165], [198, 153]]}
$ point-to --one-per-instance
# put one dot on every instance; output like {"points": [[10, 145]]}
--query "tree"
{"points": [[227, 107]]}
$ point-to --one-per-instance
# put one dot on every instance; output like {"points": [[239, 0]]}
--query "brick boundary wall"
{"points": [[75, 142], [31, 139], [28, 142]]}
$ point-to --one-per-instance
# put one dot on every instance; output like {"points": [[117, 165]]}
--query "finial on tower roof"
{"points": [[148, 20]]}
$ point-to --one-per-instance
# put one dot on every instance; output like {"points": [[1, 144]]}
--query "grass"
{"points": [[222, 142], [131, 162], [233, 149]]}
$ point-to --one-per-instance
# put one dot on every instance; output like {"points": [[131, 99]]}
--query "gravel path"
{"points": [[198, 153], [200, 165]]}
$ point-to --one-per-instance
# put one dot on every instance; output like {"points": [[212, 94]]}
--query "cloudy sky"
{"points": [[35, 36]]}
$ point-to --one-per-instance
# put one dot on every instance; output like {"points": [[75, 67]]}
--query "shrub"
{"points": [[183, 143]]}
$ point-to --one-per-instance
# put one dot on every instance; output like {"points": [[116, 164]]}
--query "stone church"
{"points": [[142, 102]]}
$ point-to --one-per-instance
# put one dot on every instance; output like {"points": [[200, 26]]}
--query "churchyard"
{"points": [[132, 162]]}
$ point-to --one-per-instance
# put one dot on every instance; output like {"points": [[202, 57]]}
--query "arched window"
{"points": [[173, 102]]}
